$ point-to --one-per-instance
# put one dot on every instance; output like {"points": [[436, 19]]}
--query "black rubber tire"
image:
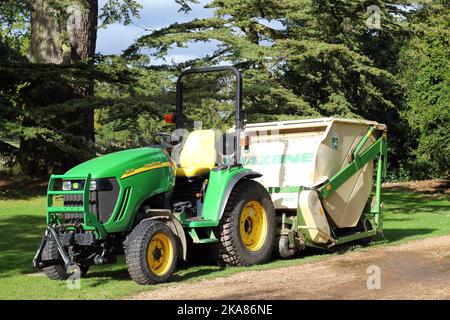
{"points": [[136, 246], [58, 272], [282, 245], [230, 250], [50, 252]]}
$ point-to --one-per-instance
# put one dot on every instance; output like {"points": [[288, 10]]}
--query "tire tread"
{"points": [[225, 251], [136, 252]]}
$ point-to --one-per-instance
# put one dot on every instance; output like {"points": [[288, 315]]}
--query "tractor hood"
{"points": [[117, 163]]}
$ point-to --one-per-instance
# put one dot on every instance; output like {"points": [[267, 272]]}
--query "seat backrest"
{"points": [[199, 151]]}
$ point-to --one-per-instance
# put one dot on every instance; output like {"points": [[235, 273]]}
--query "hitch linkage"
{"points": [[50, 234]]}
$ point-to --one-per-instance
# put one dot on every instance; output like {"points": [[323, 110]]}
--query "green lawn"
{"points": [[407, 216]]}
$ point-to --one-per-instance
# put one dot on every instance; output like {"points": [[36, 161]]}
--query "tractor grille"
{"points": [[101, 202], [123, 204], [71, 218]]}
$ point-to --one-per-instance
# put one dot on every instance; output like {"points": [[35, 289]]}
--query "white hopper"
{"points": [[302, 153]]}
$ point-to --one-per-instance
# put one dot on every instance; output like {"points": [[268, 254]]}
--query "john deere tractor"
{"points": [[269, 186], [145, 203]]}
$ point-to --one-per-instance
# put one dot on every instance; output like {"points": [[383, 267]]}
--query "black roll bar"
{"points": [[179, 116]]}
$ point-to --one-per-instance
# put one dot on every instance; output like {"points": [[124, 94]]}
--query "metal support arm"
{"points": [[376, 150]]}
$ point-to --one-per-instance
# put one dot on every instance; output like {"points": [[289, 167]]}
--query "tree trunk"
{"points": [[82, 32], [45, 44], [38, 157]]}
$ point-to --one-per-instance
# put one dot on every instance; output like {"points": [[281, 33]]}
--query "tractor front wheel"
{"points": [[151, 252], [50, 252], [57, 272], [246, 231]]}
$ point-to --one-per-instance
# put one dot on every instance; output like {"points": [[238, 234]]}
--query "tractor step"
{"points": [[211, 238], [196, 223]]}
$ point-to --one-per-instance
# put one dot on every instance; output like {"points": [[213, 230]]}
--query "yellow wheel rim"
{"points": [[253, 225], [160, 254]]}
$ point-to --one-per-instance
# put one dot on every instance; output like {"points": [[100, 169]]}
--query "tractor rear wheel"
{"points": [[246, 231], [151, 252]]}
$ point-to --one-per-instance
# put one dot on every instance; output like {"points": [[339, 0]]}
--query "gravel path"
{"points": [[415, 270]]}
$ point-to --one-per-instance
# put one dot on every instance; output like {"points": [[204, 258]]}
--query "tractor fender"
{"points": [[173, 223], [233, 181]]}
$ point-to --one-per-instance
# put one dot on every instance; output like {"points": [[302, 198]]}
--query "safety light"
{"points": [[244, 141], [169, 118], [67, 185]]}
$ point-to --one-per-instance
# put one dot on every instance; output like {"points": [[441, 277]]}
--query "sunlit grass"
{"points": [[407, 216]]}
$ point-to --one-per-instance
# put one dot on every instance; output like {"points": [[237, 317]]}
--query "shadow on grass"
{"points": [[390, 235], [185, 271], [22, 190], [20, 236], [18, 246], [393, 235], [19, 239], [192, 270], [405, 203]]}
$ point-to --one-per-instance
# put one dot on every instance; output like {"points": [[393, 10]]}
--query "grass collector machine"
{"points": [[245, 194]]}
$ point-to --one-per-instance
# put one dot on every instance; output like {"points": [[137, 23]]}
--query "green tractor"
{"points": [[273, 187], [145, 202]]}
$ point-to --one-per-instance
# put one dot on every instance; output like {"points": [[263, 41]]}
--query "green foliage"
{"points": [[425, 73], [119, 11], [46, 107], [184, 5], [134, 109], [14, 30], [300, 58], [35, 107]]}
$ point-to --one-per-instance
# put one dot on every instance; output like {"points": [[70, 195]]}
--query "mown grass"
{"points": [[407, 216]]}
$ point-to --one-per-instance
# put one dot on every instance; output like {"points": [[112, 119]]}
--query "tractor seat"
{"points": [[197, 155]]}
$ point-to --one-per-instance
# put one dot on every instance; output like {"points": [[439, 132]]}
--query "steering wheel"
{"points": [[167, 140]]}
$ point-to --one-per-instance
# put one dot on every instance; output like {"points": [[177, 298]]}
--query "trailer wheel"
{"points": [[283, 251], [151, 252], [247, 229], [50, 252]]}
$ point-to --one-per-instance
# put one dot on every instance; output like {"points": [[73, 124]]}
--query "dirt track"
{"points": [[416, 270]]}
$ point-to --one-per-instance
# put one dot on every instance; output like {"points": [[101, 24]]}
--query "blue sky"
{"points": [[155, 14]]}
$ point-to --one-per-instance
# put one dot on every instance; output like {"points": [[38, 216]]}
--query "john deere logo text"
{"points": [[152, 164], [146, 167]]}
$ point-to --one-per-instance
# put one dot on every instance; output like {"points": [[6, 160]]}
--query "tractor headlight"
{"points": [[103, 184], [94, 185], [67, 185]]}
